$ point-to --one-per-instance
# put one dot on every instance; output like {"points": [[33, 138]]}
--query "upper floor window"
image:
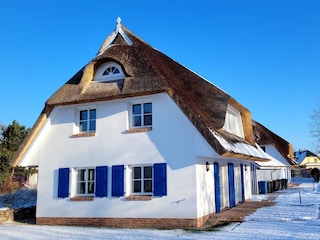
{"points": [[87, 121], [108, 72], [142, 115], [233, 122]]}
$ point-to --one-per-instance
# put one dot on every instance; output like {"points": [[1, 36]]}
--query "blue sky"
{"points": [[265, 54]]}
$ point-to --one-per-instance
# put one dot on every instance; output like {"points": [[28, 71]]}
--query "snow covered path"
{"points": [[287, 219]]}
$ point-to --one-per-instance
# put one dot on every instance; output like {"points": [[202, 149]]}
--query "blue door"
{"points": [[242, 183], [217, 187], [232, 192]]}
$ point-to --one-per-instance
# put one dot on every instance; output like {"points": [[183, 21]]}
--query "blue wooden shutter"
{"points": [[160, 179], [101, 181], [232, 191], [63, 182], [118, 181], [217, 187]]}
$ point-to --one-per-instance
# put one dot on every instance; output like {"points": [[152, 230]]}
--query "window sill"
{"points": [[136, 130], [139, 198], [85, 134], [81, 198]]}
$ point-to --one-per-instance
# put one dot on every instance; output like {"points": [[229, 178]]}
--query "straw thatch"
{"points": [[264, 137], [148, 71]]}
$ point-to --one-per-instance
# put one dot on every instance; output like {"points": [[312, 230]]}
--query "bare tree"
{"points": [[315, 127]]}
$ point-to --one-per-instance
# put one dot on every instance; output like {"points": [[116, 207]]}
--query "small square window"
{"points": [[87, 120], [141, 115]]}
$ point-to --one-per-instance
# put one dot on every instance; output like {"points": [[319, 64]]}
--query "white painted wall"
{"points": [[173, 139]]}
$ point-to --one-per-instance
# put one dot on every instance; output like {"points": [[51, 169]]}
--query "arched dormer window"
{"points": [[109, 71]]}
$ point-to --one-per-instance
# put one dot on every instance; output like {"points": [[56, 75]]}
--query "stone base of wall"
{"points": [[157, 223], [6, 215]]}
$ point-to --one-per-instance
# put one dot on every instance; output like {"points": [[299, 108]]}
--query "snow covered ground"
{"points": [[296, 215]]}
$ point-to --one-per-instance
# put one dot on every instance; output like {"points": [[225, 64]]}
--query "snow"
{"points": [[241, 148], [296, 215]]}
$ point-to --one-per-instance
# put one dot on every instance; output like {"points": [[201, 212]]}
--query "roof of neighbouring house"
{"points": [[301, 155], [264, 136], [148, 71]]}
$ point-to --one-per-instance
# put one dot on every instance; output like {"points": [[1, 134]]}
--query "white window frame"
{"points": [[86, 181], [87, 121], [233, 122], [101, 75], [142, 114], [142, 180]]}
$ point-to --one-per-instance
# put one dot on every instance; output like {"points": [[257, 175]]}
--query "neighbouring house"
{"points": [[307, 159], [278, 170], [135, 139]]}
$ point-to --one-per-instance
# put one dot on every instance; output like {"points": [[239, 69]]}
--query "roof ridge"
{"points": [[109, 40]]}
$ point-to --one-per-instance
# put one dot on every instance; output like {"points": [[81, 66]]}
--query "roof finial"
{"points": [[118, 21]]}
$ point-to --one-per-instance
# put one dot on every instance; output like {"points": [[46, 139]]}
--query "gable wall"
{"points": [[172, 140]]}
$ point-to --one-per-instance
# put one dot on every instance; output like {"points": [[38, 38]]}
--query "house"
{"points": [[135, 139], [281, 151], [307, 158]]}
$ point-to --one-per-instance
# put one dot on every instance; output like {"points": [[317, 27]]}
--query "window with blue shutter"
{"points": [[101, 181], [118, 181], [63, 182], [160, 179]]}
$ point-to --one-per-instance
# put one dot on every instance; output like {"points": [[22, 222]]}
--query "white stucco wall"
{"points": [[173, 139]]}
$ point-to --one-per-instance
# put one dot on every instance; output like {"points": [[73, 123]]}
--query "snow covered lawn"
{"points": [[296, 215]]}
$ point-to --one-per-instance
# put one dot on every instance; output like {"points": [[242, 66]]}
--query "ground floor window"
{"points": [[85, 181], [142, 180]]}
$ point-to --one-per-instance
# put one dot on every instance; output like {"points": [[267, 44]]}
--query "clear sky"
{"points": [[264, 53]]}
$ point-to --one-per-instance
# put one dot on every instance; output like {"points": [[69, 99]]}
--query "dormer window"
{"points": [[233, 122], [109, 71]]}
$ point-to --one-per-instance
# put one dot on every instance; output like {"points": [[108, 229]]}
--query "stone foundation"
{"points": [[6, 215], [157, 223]]}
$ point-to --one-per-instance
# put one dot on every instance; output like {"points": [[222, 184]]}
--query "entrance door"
{"points": [[232, 192], [217, 187]]}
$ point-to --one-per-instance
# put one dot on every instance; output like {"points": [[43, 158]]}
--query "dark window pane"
{"points": [[82, 173], [92, 114], [147, 172], [116, 71], [137, 186], [91, 174], [147, 121], [136, 109], [147, 108], [147, 186], [92, 126], [83, 126], [137, 121], [137, 173], [83, 115], [91, 187], [82, 187]]}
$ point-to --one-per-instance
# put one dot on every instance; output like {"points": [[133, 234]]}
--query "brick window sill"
{"points": [[139, 198], [136, 130], [81, 198], [85, 134]]}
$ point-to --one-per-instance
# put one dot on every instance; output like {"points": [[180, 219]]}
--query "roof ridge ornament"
{"points": [[113, 35]]}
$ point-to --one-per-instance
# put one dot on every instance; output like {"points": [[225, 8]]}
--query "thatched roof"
{"points": [[148, 71], [265, 137]]}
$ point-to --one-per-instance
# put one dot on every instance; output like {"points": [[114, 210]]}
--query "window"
{"points": [[233, 122], [142, 180], [109, 71], [142, 115], [87, 122], [85, 181]]}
